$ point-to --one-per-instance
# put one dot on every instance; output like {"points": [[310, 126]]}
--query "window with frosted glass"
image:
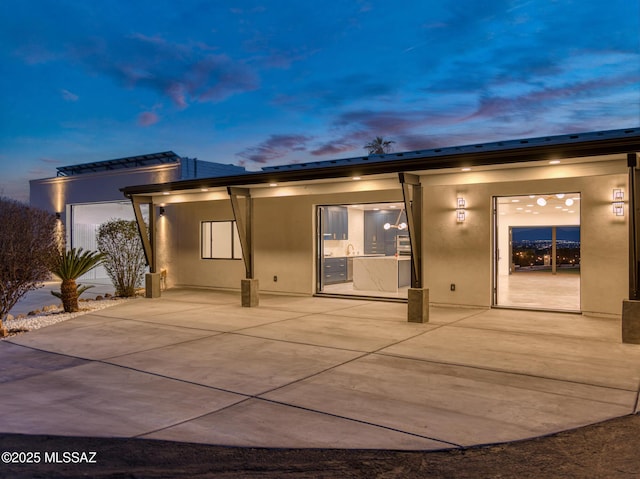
{"points": [[220, 240]]}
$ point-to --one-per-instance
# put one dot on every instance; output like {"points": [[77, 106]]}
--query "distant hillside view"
{"points": [[532, 248]]}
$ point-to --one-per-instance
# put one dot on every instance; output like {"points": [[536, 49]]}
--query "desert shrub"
{"points": [[29, 242], [124, 260]]}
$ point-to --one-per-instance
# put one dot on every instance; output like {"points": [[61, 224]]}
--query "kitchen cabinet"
{"points": [[334, 270], [377, 240], [335, 222]]}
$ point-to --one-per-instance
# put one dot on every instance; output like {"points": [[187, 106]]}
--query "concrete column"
{"points": [[418, 307], [631, 322], [152, 285], [249, 290]]}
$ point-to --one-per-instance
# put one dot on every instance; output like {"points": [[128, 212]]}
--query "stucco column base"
{"points": [[152, 285], [631, 321], [249, 290], [418, 307]]}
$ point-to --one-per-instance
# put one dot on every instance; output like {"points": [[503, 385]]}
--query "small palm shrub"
{"points": [[69, 266]]}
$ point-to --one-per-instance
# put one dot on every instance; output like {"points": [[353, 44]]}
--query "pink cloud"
{"points": [[148, 118]]}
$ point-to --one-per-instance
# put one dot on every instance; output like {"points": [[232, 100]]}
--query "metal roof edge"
{"points": [[506, 152], [120, 161]]}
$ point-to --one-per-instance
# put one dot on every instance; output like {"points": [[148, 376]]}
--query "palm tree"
{"points": [[69, 266], [379, 146]]}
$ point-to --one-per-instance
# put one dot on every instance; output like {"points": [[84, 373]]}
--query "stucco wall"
{"points": [[284, 241], [462, 253], [53, 194]]}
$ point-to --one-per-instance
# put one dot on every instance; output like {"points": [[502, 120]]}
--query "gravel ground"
{"points": [[53, 315]]}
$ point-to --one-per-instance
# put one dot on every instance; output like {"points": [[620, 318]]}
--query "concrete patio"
{"points": [[195, 366]]}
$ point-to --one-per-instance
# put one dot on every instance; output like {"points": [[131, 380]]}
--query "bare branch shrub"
{"points": [[124, 260], [30, 239]]}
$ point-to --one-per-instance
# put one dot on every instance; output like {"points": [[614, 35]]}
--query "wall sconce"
{"points": [[58, 215], [618, 202], [460, 210], [162, 211]]}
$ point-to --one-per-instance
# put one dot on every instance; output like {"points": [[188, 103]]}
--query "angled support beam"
{"points": [[634, 227], [147, 240], [631, 307], [243, 221], [412, 194]]}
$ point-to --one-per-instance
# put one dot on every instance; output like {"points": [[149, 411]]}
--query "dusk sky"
{"points": [[268, 82]]}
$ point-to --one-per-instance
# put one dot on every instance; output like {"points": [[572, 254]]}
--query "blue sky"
{"points": [[270, 82]]}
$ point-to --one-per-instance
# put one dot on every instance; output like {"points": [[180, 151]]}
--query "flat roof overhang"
{"points": [[499, 154]]}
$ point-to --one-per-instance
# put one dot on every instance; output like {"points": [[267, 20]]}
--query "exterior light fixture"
{"points": [[58, 215], [162, 211], [618, 202], [461, 212]]}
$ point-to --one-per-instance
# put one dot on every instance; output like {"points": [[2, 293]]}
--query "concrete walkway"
{"points": [[194, 366]]}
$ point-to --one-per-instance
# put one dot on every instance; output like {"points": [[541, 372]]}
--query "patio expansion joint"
{"points": [[186, 341], [515, 373], [258, 397]]}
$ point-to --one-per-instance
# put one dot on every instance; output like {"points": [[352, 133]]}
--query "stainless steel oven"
{"points": [[403, 245]]}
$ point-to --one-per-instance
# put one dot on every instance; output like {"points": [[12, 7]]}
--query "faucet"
{"points": [[350, 251]]}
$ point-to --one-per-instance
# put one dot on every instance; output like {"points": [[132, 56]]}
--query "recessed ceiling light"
{"points": [[165, 193], [273, 184], [356, 178], [466, 169], [554, 162], [541, 201], [204, 189], [515, 201]]}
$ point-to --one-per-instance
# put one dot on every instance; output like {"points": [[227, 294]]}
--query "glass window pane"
{"points": [[221, 239], [206, 239]]}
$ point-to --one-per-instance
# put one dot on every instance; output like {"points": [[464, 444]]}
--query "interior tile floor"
{"points": [[347, 289], [540, 290], [528, 290]]}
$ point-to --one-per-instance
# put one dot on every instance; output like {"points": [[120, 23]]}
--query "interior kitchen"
{"points": [[364, 250]]}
